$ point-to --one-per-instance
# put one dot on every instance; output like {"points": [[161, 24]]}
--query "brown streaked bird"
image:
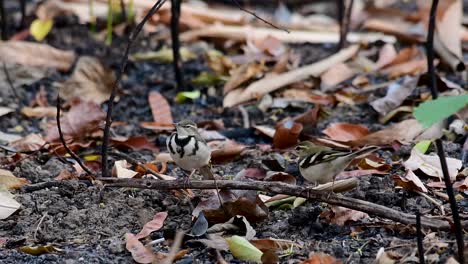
{"points": [[320, 164]]}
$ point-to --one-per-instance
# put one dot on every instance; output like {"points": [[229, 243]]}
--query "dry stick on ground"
{"points": [[438, 142], [110, 104], [257, 17], [64, 143], [419, 238], [283, 188], [340, 9], [176, 61], [10, 83]]}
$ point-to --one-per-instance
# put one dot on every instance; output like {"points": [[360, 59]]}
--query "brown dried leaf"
{"points": [[82, 119], [410, 182], [287, 134], [412, 67], [334, 76], [345, 131], [10, 181], [140, 253], [160, 109], [222, 151], [31, 142], [35, 54], [340, 215], [91, 81], [153, 225]]}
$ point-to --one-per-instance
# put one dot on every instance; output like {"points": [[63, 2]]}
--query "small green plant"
{"points": [[431, 112]]}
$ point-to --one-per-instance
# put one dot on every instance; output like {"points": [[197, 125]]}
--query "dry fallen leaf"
{"points": [[386, 55], [120, 170], [334, 76], [345, 131], [75, 124], [34, 54], [430, 164], [5, 110], [140, 253], [242, 74], [287, 134], [91, 81], [340, 215], [396, 93], [31, 142], [7, 204], [161, 111], [153, 225], [134, 143], [410, 182], [10, 181], [224, 150]]}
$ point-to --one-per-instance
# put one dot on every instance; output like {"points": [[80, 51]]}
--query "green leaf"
{"points": [[163, 55], [207, 79], [183, 96], [423, 146], [242, 249], [431, 112], [39, 29]]}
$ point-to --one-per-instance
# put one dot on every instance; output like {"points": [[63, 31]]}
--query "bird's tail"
{"points": [[364, 152]]}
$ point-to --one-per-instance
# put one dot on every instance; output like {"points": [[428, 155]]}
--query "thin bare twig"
{"points": [[283, 188], [340, 8], [10, 82], [175, 247], [110, 104], [23, 13], [176, 62], [245, 116], [419, 237], [438, 142], [123, 10], [64, 143], [257, 17]]}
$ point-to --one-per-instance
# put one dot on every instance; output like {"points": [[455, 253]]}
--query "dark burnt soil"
{"points": [[89, 224]]}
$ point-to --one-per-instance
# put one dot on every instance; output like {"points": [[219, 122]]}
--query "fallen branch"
{"points": [[283, 188], [241, 33]]}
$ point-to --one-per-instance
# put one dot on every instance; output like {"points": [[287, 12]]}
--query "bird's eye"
{"points": [[298, 148]]}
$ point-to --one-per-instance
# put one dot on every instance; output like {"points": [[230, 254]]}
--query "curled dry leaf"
{"points": [[82, 119], [334, 76], [222, 151], [287, 134], [340, 215], [120, 170], [5, 110], [153, 225], [39, 111], [31, 142], [405, 132], [91, 81], [34, 54], [410, 182], [430, 164], [346, 131], [387, 54], [10, 181], [396, 93], [140, 253], [7, 204]]}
